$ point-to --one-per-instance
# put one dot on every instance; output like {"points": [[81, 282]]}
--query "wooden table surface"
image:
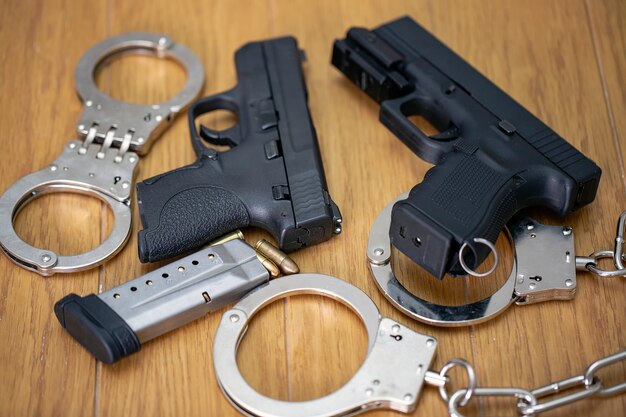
{"points": [[565, 61]]}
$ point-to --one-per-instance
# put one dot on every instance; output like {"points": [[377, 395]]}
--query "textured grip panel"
{"points": [[502, 213], [190, 219], [461, 199], [465, 188]]}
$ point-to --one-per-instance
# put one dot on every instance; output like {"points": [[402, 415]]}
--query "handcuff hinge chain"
{"points": [[109, 142]]}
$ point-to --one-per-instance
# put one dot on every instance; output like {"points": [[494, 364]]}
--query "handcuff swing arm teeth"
{"points": [[104, 164]]}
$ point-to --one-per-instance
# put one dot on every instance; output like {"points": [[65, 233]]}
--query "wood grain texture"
{"points": [[606, 19], [563, 60], [43, 373], [553, 73]]}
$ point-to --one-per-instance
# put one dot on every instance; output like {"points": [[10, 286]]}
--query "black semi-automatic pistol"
{"points": [[272, 177], [492, 157]]}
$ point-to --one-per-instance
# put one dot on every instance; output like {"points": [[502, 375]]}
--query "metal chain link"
{"points": [[471, 380], [619, 241], [579, 387], [528, 402], [590, 263]]}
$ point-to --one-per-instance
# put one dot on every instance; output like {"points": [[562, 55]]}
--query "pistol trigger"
{"points": [[452, 132], [215, 138]]}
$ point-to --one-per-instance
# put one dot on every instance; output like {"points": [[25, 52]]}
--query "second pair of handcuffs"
{"points": [[395, 368], [398, 358], [544, 268], [103, 164]]}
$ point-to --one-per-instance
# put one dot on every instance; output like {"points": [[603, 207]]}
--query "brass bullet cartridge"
{"points": [[280, 258], [269, 265], [227, 237]]}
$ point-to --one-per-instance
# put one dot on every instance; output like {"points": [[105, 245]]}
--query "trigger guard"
{"points": [[228, 137], [394, 115]]}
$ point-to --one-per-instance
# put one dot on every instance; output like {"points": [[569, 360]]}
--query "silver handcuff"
{"points": [[395, 368], [104, 163], [544, 268], [391, 377]]}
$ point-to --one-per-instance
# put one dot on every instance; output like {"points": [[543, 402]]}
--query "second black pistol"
{"points": [[492, 156], [272, 177]]}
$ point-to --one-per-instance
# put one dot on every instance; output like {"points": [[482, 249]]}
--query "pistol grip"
{"points": [[459, 200], [183, 213]]}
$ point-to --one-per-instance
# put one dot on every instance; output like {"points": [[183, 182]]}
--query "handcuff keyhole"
{"points": [[116, 179], [396, 336], [537, 278]]}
